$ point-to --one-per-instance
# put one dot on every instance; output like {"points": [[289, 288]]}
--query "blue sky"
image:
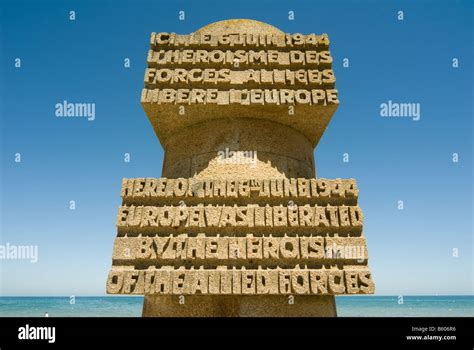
{"points": [[410, 250]]}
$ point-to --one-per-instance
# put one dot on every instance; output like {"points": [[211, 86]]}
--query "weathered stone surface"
{"points": [[239, 225], [260, 305], [256, 218], [350, 280], [213, 251], [254, 74], [236, 191]]}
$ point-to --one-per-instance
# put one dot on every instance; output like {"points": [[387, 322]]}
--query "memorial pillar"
{"points": [[239, 225]]}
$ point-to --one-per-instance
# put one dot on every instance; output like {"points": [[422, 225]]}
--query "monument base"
{"points": [[239, 306]]}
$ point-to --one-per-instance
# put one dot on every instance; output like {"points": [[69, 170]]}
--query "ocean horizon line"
{"points": [[357, 305]]}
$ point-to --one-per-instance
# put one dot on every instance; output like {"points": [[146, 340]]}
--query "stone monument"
{"points": [[238, 224]]}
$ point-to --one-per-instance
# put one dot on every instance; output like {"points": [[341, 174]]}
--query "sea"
{"points": [[131, 306]]}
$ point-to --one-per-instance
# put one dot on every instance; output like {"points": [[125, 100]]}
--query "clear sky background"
{"points": [[64, 159]]}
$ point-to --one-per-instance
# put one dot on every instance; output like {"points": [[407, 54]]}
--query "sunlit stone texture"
{"points": [[239, 224]]}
